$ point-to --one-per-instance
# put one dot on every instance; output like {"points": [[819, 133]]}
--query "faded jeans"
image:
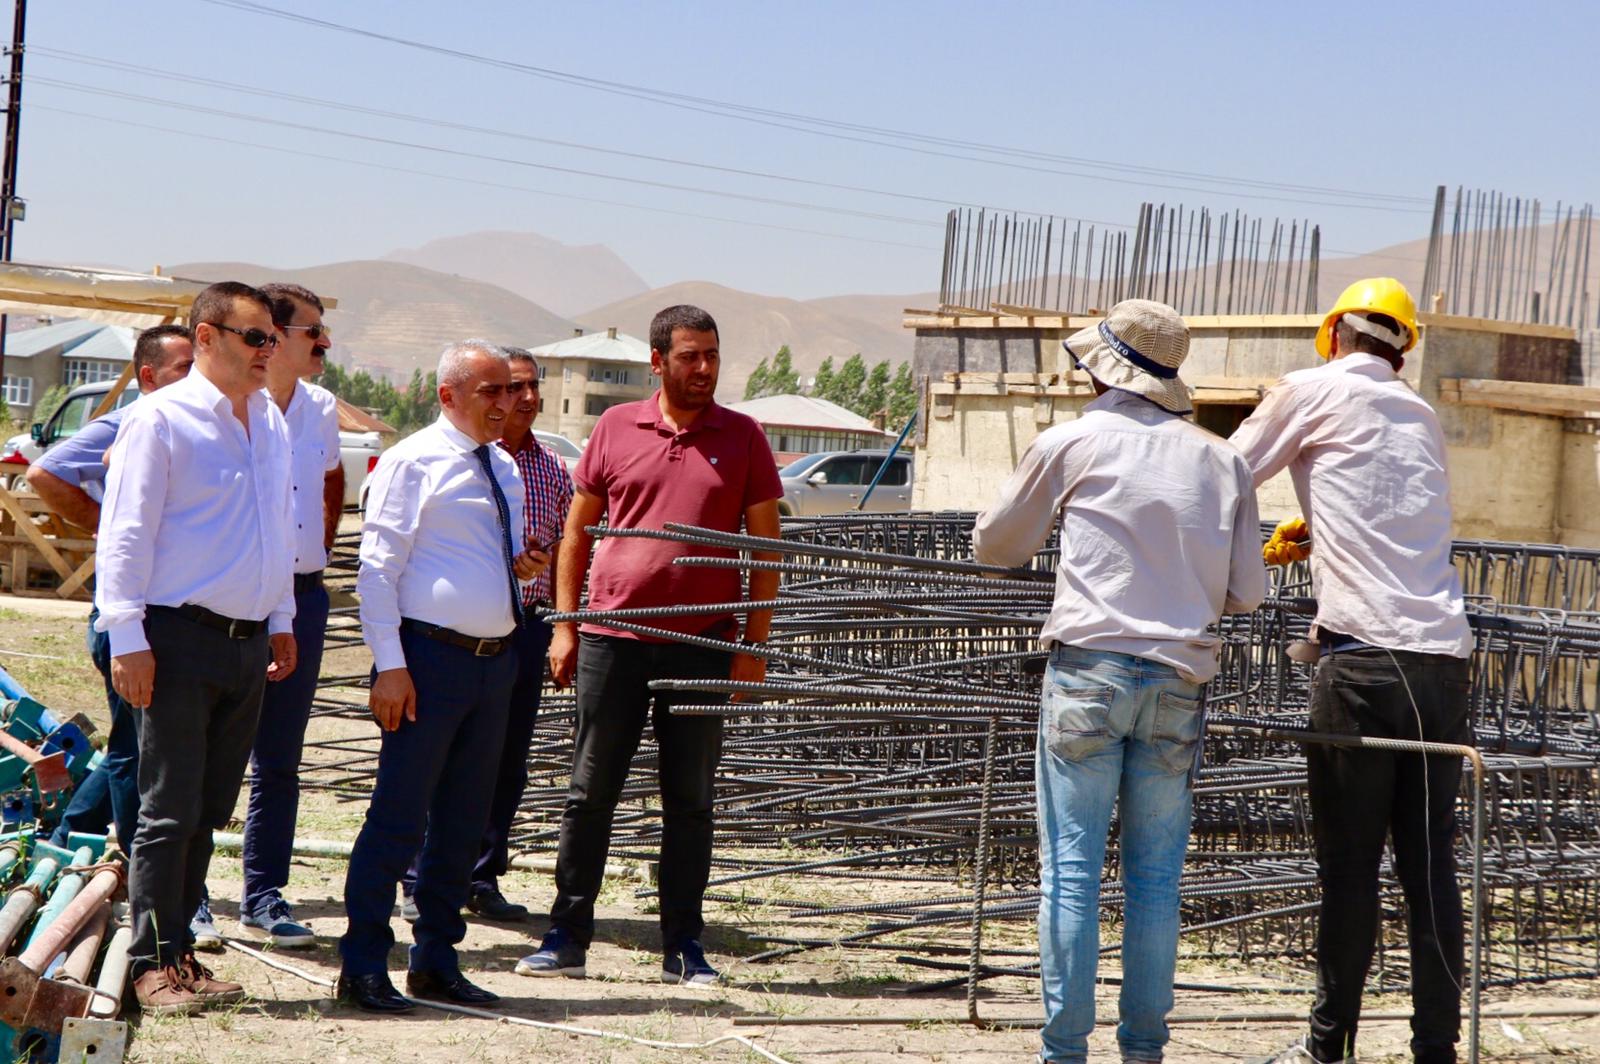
{"points": [[1111, 726]]}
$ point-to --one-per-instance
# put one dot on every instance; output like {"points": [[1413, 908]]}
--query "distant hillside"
{"points": [[754, 326], [566, 278], [394, 317]]}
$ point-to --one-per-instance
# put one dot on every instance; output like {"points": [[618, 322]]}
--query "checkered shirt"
{"points": [[549, 491]]}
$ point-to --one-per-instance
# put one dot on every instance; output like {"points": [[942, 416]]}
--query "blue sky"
{"points": [[1410, 96]]}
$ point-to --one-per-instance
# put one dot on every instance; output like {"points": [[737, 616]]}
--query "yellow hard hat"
{"points": [[1377, 295]]}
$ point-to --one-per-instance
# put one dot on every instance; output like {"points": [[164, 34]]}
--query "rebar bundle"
{"points": [[902, 686], [1192, 259]]}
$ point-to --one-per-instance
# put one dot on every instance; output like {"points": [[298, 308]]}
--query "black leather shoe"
{"points": [[452, 987], [371, 993], [492, 905]]}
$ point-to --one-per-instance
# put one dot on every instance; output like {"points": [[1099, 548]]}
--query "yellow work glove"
{"points": [[1290, 542]]}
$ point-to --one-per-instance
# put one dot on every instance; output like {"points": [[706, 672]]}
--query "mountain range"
{"points": [[396, 313]]}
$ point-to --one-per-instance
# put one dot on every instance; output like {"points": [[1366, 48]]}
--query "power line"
{"points": [[211, 138], [441, 123], [870, 134], [478, 156]]}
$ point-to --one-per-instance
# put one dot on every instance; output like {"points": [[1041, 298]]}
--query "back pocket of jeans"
{"points": [[1176, 731], [1077, 720]]}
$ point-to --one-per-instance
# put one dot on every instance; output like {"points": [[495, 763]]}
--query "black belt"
{"points": [[307, 581], [231, 627], [483, 648]]}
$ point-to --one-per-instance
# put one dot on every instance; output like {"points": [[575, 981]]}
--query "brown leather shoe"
{"points": [[204, 984], [162, 991]]}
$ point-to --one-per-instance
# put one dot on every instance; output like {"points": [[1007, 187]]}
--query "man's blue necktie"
{"points": [[482, 451]]}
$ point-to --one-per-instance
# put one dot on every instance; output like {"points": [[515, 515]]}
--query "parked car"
{"points": [[358, 451], [23, 449], [834, 482], [565, 449]]}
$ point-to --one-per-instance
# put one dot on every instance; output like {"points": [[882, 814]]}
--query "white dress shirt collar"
{"points": [[455, 436]]}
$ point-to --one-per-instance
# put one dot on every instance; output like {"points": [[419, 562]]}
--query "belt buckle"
{"points": [[481, 652], [233, 623]]}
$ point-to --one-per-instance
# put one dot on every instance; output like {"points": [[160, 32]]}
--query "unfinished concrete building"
{"points": [[1522, 446]]}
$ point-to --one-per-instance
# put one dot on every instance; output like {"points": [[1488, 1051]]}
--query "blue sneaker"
{"points": [[275, 918], [203, 929], [687, 966], [557, 955]]}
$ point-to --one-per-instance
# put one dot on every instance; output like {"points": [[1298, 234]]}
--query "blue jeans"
{"points": [[109, 794], [1111, 726], [275, 758]]}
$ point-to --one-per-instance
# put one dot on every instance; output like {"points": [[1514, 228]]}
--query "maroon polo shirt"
{"points": [[649, 475]]}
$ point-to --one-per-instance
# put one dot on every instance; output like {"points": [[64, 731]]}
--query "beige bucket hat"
{"points": [[1137, 348]]}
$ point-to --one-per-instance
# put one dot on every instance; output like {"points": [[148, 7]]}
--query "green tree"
{"points": [[756, 386], [824, 378], [902, 396], [847, 384], [52, 398], [875, 393], [783, 379]]}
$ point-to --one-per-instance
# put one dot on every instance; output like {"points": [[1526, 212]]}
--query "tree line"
{"points": [[852, 385], [406, 409]]}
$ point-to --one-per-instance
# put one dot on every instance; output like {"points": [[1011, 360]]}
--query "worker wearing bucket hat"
{"points": [[1367, 457], [1159, 537]]}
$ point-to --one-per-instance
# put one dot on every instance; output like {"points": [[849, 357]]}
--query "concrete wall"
{"points": [[1514, 476]]}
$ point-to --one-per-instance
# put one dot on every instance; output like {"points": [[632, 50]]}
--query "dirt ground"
{"points": [[291, 1019]]}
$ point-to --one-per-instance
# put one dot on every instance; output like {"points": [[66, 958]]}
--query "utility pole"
{"points": [[12, 209]]}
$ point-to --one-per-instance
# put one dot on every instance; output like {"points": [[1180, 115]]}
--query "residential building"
{"points": [[802, 424], [581, 377], [68, 352]]}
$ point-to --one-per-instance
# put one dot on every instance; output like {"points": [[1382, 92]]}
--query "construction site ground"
{"points": [[291, 1019]]}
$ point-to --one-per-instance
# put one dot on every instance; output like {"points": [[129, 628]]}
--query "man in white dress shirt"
{"points": [[1159, 537], [1368, 461], [441, 557], [318, 492], [195, 590]]}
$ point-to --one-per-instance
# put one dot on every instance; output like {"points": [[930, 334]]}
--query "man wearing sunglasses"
{"points": [[195, 590], [317, 488]]}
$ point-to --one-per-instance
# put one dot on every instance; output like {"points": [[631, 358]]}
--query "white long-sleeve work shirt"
{"points": [[1368, 462], [195, 512], [1159, 532], [431, 543]]}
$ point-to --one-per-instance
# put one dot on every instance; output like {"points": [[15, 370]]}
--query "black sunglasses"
{"points": [[252, 337], [313, 332]]}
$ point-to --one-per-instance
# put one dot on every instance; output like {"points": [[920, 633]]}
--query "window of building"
{"points": [[1222, 418], [566, 374], [541, 371], [566, 406], [76, 371], [18, 391], [602, 374], [594, 405], [541, 404]]}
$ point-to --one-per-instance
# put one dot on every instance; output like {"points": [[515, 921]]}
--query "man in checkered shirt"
{"points": [[549, 494]]}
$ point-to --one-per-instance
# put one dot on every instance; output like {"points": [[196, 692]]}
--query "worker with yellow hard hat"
{"points": [[1367, 458]]}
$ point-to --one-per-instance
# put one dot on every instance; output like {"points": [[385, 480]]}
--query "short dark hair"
{"points": [[150, 347], [519, 354], [1352, 341], [282, 295], [682, 316], [216, 302]]}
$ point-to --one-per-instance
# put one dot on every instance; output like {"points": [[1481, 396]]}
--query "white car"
{"points": [[564, 449]]}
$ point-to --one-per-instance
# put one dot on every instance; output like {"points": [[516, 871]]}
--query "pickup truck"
{"points": [[358, 451]]}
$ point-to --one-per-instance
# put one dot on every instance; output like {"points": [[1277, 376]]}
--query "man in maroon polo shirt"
{"points": [[676, 456]]}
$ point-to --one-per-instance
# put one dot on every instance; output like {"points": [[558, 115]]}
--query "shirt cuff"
{"points": [[279, 622], [127, 637], [387, 653]]}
